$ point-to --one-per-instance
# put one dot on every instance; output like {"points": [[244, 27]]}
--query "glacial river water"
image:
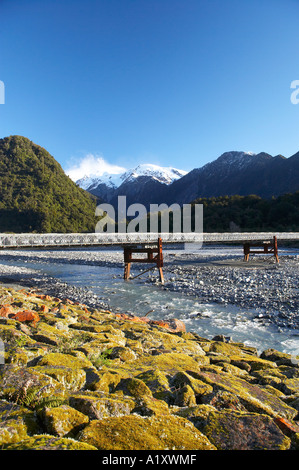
{"points": [[140, 298]]}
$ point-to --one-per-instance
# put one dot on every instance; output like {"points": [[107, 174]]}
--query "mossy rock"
{"points": [[125, 354], [29, 387], [169, 363], [48, 334], [233, 369], [10, 334], [17, 356], [150, 406], [291, 386], [223, 400], [268, 377], [12, 430], [106, 381], [63, 420], [135, 345], [226, 349], [197, 414], [12, 411], [176, 343], [236, 430], [280, 358], [184, 396], [71, 378], [48, 442], [133, 387], [66, 360], [200, 388], [100, 407], [254, 398], [255, 363], [137, 433], [156, 380], [96, 347]]}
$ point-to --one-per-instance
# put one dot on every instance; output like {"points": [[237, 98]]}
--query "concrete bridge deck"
{"points": [[52, 240]]}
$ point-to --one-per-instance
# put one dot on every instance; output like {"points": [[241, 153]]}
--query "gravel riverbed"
{"points": [[212, 274]]}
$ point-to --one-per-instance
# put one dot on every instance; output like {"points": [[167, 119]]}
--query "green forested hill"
{"points": [[36, 194], [250, 213]]}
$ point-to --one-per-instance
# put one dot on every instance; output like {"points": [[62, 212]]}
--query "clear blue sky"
{"points": [[171, 82]]}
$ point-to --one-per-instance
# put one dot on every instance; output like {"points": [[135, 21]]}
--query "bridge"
{"points": [[52, 240], [149, 244]]}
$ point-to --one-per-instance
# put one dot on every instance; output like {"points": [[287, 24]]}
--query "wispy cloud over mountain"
{"points": [[93, 165]]}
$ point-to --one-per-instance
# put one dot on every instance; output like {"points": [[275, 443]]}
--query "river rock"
{"points": [[86, 379]]}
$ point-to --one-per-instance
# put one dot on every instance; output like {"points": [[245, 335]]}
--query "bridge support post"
{"points": [[157, 259], [268, 248]]}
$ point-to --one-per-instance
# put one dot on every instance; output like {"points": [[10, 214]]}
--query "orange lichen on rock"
{"points": [[44, 309], [27, 315], [6, 310], [44, 297]]}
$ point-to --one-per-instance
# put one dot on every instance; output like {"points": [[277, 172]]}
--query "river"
{"points": [[140, 298]]}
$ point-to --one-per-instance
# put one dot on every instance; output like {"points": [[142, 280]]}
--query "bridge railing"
{"points": [[95, 239]]}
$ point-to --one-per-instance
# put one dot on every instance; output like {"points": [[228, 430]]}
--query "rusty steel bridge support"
{"points": [[269, 247], [157, 259]]}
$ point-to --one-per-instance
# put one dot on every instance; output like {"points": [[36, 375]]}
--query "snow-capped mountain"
{"points": [[239, 173], [165, 175], [138, 183]]}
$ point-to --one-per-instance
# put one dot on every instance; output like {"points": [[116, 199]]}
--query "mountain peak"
{"points": [[165, 175]]}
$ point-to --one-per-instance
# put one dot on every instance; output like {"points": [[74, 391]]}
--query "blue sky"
{"points": [[170, 82]]}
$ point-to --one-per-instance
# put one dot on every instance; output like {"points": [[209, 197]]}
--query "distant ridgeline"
{"points": [[35, 193]]}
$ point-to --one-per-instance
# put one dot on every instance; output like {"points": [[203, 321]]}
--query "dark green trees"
{"points": [[35, 193]]}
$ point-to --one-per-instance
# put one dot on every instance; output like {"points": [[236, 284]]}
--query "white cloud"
{"points": [[93, 165]]}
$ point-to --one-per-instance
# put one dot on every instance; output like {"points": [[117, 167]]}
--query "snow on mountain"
{"points": [[229, 161], [164, 175]]}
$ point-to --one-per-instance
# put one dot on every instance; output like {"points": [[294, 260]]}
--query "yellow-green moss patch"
{"points": [[137, 433]]}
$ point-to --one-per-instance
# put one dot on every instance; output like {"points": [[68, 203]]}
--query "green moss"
{"points": [[137, 433], [106, 381], [63, 420], [199, 387], [150, 406], [184, 396], [169, 363], [12, 430], [291, 386], [279, 357], [236, 430], [156, 380], [66, 360], [100, 407], [49, 334], [134, 387], [28, 387], [48, 442], [70, 378], [253, 397]]}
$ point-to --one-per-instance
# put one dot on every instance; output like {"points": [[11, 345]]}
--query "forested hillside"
{"points": [[35, 193], [250, 213]]}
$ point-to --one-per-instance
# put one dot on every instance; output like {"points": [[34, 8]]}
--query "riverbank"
{"points": [[82, 378], [213, 274]]}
